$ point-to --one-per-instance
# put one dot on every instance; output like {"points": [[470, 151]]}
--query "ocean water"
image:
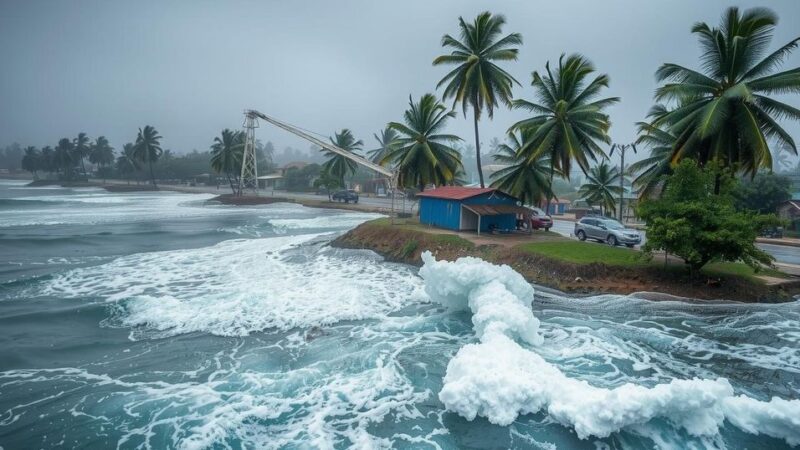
{"points": [[158, 320]]}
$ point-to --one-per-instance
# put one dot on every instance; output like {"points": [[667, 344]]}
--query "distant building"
{"points": [[463, 208], [790, 211]]}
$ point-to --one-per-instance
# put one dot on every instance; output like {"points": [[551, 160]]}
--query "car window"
{"points": [[588, 222], [613, 225]]}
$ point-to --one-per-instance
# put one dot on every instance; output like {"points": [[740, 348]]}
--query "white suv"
{"points": [[606, 230]]}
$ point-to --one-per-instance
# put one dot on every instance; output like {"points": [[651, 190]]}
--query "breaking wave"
{"points": [[502, 377], [241, 286]]}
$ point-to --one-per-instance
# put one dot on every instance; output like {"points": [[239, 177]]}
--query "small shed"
{"points": [[557, 207], [464, 208]]}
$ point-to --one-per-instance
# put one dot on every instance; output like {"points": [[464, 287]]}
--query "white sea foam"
{"points": [[326, 222], [242, 286], [500, 379]]}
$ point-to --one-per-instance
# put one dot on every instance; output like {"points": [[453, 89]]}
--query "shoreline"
{"points": [[405, 244]]}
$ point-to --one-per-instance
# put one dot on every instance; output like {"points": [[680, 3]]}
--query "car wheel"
{"points": [[629, 245], [547, 229], [581, 235], [612, 240]]}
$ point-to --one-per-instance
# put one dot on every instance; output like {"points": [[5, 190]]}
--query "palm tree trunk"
{"points": [[550, 193], [152, 175], [83, 167], [477, 146]]}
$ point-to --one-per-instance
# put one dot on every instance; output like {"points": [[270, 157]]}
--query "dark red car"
{"points": [[540, 220]]}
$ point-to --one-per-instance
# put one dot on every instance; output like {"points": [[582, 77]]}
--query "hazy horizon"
{"points": [[108, 68]]}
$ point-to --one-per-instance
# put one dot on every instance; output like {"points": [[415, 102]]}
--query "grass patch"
{"points": [[452, 239], [739, 270], [585, 253], [408, 248]]}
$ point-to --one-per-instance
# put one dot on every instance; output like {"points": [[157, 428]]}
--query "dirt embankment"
{"points": [[404, 245]]}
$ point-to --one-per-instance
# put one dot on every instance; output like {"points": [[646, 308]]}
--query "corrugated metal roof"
{"points": [[455, 192], [496, 210]]}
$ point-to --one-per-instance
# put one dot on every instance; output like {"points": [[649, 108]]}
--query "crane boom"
{"points": [[333, 148]]}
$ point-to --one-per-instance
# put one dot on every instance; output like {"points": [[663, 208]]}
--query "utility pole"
{"points": [[621, 150]]}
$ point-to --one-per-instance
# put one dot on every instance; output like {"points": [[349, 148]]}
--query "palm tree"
{"points": [[780, 157], [650, 172], [126, 162], [32, 161], [148, 148], [525, 178], [602, 187], [101, 153], [63, 157], [423, 154], [81, 149], [569, 120], [478, 82], [47, 163], [226, 156], [337, 165], [386, 139], [725, 113]]}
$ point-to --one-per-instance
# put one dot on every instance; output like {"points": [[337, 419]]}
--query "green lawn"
{"points": [[585, 253], [730, 269]]}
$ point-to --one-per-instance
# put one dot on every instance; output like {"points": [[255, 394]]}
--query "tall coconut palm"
{"points": [[569, 120], [63, 157], [226, 156], [780, 157], [126, 162], [525, 178], [147, 148], [423, 153], [101, 153], [478, 82], [32, 161], [386, 139], [339, 166], [726, 114], [651, 171], [81, 149], [47, 162], [602, 187]]}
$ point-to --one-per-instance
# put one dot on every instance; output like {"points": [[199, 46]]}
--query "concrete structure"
{"points": [[470, 209]]}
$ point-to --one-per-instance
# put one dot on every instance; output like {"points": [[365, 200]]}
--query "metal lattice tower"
{"points": [[248, 180]]}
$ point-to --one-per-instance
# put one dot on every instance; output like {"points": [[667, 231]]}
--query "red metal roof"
{"points": [[455, 192]]}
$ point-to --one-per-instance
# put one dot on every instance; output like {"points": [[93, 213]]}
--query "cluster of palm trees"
{"points": [[724, 114], [68, 158]]}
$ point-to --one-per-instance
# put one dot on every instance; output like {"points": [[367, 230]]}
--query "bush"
{"points": [[693, 223]]}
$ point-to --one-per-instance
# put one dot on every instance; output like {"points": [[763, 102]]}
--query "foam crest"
{"points": [[499, 379], [240, 286], [327, 222]]}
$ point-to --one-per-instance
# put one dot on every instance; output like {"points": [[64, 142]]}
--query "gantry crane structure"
{"points": [[248, 181]]}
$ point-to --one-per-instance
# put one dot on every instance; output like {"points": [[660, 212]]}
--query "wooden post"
{"points": [[479, 224]]}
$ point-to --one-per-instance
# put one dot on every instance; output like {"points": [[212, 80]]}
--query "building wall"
{"points": [[447, 213], [440, 212]]}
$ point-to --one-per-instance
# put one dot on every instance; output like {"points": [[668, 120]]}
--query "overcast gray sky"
{"points": [[190, 67]]}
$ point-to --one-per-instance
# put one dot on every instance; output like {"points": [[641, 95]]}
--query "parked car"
{"points": [[606, 230], [772, 232], [539, 219], [346, 196]]}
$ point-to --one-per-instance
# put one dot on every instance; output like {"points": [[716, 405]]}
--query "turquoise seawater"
{"points": [[158, 320]]}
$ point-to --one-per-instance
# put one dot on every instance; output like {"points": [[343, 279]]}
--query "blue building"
{"points": [[470, 209]]}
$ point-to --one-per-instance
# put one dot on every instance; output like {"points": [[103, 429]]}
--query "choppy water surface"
{"points": [[155, 320]]}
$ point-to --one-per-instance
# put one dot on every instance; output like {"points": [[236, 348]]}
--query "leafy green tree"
{"points": [[338, 165], [764, 193], [422, 153], [101, 153], [477, 81], [726, 111], [147, 148], [568, 119], [32, 161], [226, 156], [327, 182], [81, 150], [602, 187], [693, 223], [525, 178], [386, 139]]}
